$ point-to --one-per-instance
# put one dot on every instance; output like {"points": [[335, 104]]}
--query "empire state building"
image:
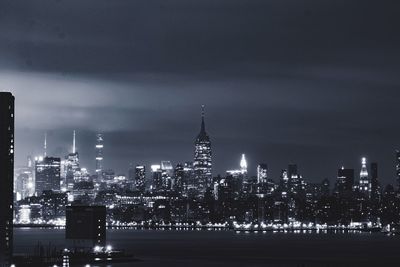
{"points": [[202, 164]]}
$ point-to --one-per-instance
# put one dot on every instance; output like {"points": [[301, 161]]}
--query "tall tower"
{"points": [[74, 143], [202, 164], [6, 177], [364, 185], [243, 164], [45, 144], [99, 154]]}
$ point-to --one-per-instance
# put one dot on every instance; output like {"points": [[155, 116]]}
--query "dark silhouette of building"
{"points": [[344, 182], [86, 226], [47, 173], [6, 177], [202, 164], [398, 168], [375, 190]]}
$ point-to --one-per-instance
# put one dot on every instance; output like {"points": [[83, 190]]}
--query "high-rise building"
{"points": [[140, 178], [6, 177], [296, 183], [167, 174], [344, 182], [47, 173], [375, 190], [179, 176], [243, 164], [99, 154], [188, 182], [262, 173], [156, 174], [202, 164], [364, 184]]}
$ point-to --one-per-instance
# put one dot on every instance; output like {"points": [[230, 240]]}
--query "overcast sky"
{"points": [[285, 81]]}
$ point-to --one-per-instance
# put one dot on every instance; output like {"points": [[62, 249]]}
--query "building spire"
{"points": [[203, 126], [45, 144], [73, 144]]}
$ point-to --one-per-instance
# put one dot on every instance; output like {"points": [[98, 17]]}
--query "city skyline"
{"points": [[90, 160]]}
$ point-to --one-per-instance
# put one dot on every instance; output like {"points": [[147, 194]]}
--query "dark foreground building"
{"points": [[6, 177], [86, 226]]}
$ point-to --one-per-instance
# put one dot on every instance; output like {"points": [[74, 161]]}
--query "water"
{"points": [[227, 248]]}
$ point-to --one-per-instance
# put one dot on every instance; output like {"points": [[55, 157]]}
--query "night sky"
{"points": [[285, 81]]}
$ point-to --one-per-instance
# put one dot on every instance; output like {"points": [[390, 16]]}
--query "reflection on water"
{"points": [[227, 248]]}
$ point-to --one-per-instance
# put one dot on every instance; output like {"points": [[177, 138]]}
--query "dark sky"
{"points": [[285, 81]]}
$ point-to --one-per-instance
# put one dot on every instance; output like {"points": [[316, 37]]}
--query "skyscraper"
{"points": [[202, 164], [262, 173], [364, 185], [99, 154], [345, 182], [140, 178], [6, 177], [71, 166], [47, 173], [375, 191], [243, 164]]}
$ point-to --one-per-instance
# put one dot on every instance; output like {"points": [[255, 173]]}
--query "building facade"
{"points": [[47, 173], [6, 176]]}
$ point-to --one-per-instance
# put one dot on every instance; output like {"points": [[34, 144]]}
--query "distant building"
{"points": [[99, 154], [345, 182], [167, 175], [364, 183], [86, 226], [179, 176], [156, 174], [202, 164], [140, 178], [188, 182], [262, 173], [6, 177], [375, 188], [47, 173]]}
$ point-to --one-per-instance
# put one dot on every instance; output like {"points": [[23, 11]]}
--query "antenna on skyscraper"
{"points": [[45, 144], [73, 144]]}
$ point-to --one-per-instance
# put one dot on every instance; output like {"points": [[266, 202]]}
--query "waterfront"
{"points": [[228, 248]]}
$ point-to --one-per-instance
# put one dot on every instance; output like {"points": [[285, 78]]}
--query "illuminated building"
{"points": [[140, 178], [179, 176], [47, 173], [189, 178], [71, 166], [156, 174], [167, 174], [243, 164], [262, 173], [6, 177], [364, 184], [99, 154], [296, 182], [202, 164]]}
